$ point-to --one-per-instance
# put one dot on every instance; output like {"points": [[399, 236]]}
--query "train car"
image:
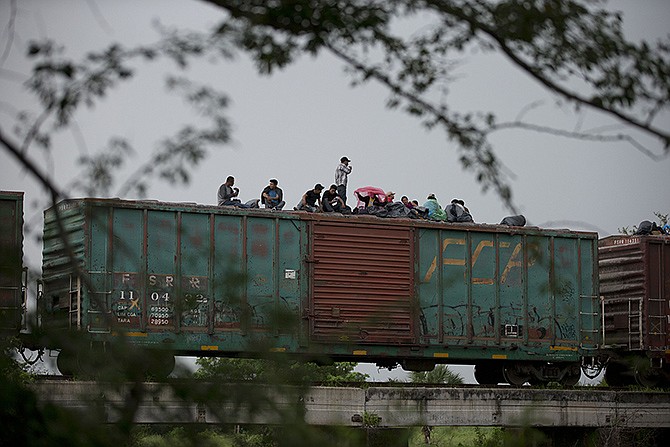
{"points": [[635, 288], [12, 275], [521, 304]]}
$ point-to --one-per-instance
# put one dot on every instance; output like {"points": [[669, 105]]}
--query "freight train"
{"points": [[521, 304]]}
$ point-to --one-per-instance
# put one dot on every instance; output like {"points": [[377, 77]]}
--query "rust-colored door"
{"points": [[362, 283]]}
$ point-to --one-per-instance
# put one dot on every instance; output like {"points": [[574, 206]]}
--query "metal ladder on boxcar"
{"points": [[74, 312], [589, 302], [635, 339]]}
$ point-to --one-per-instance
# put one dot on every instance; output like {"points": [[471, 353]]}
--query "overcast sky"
{"points": [[296, 124]]}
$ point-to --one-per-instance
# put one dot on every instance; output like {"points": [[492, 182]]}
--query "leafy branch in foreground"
{"points": [[572, 48], [575, 49], [62, 86]]}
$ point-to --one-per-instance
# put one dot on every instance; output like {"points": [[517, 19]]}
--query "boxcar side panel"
{"points": [[455, 287], [228, 272], [62, 306], [635, 287], [566, 292], [657, 307], [195, 248], [590, 336], [484, 297], [117, 241], [541, 309], [163, 279], [11, 261], [291, 285], [262, 266], [512, 289], [507, 290], [194, 279], [429, 278]]}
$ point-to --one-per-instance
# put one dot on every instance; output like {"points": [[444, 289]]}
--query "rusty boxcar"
{"points": [[12, 274], [635, 287], [521, 304]]}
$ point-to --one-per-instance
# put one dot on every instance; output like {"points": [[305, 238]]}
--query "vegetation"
{"points": [[459, 436], [439, 374], [277, 371]]}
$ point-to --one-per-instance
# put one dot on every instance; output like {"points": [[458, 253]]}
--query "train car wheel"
{"points": [[417, 365], [534, 381], [515, 375], [67, 364], [160, 365], [647, 377], [571, 376], [616, 374], [489, 374]]}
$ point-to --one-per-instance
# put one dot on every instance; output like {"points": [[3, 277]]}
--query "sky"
{"points": [[296, 124]]}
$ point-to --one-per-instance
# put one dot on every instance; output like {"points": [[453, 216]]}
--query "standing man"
{"points": [[227, 193], [272, 196], [341, 174]]}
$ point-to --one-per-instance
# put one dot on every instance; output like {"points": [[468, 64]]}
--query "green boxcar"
{"points": [[12, 274], [519, 303]]}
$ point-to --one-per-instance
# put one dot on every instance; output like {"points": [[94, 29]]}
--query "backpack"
{"points": [[645, 228], [456, 213], [514, 221]]}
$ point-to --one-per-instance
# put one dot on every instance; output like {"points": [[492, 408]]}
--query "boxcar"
{"points": [[521, 304], [635, 286], [12, 275]]}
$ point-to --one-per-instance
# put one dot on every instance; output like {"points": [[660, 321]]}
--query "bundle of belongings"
{"points": [[375, 202], [457, 212], [650, 228], [514, 221]]}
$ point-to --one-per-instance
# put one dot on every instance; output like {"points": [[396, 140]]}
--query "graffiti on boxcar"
{"points": [[454, 323], [194, 304], [225, 314], [515, 260]]}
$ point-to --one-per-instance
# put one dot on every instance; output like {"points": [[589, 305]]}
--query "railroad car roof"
{"points": [[306, 216]]}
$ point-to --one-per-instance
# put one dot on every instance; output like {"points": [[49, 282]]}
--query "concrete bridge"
{"points": [[209, 403]]}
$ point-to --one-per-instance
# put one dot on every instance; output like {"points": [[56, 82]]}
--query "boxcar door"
{"points": [[362, 283]]}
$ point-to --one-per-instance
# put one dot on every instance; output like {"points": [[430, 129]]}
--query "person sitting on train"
{"points": [[311, 200], [331, 202], [435, 211], [368, 195], [227, 195], [383, 201], [272, 196], [405, 201], [456, 211]]}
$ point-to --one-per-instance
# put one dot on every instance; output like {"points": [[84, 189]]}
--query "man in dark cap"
{"points": [[341, 173], [311, 200]]}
